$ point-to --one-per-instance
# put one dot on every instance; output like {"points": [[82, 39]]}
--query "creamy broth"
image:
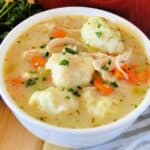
{"points": [[124, 98]]}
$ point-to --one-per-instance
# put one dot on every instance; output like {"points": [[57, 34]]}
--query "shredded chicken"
{"points": [[69, 29], [123, 59], [64, 41], [29, 53], [100, 59]]}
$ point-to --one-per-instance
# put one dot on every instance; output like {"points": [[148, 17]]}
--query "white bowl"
{"points": [[75, 138]]}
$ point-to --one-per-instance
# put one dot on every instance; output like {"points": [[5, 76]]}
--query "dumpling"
{"points": [[96, 104], [103, 35], [70, 70], [54, 101]]}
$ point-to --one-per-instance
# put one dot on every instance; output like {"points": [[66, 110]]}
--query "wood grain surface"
{"points": [[13, 136]]}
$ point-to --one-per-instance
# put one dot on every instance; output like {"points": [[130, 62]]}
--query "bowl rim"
{"points": [[65, 11]]}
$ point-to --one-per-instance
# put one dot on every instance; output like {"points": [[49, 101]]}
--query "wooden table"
{"points": [[13, 136]]}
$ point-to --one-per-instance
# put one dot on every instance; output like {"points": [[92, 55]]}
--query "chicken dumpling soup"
{"points": [[77, 71]]}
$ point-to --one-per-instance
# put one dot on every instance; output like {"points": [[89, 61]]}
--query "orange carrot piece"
{"points": [[126, 67], [130, 71], [143, 77], [132, 77], [104, 89], [37, 61], [16, 80], [118, 74], [59, 34]]}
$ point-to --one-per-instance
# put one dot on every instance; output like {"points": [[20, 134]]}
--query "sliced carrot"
{"points": [[132, 78], [118, 74], [37, 61], [129, 70], [103, 88], [16, 80], [59, 34], [126, 67], [143, 77]]}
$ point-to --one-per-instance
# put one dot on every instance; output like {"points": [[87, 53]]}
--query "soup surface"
{"points": [[77, 71]]}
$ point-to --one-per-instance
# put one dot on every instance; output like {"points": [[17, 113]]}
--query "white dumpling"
{"points": [[103, 35], [96, 104], [78, 70], [54, 101]]}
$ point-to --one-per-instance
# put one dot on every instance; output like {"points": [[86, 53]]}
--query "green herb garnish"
{"points": [[64, 62], [99, 73], [32, 72], [98, 34], [46, 54], [67, 97], [104, 67], [114, 84], [109, 62], [63, 89], [51, 38], [44, 78], [74, 92], [71, 51], [79, 87], [105, 81], [21, 107], [43, 118], [11, 13], [63, 52], [135, 106], [31, 82], [43, 46], [99, 25]]}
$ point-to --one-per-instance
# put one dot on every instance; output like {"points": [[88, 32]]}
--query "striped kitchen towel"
{"points": [[141, 128]]}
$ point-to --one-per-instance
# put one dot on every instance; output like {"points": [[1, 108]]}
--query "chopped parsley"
{"points": [[43, 118], [109, 62], [105, 81], [121, 100], [79, 87], [99, 73], [63, 52], [135, 106], [70, 50], [63, 89], [67, 97], [44, 78], [31, 82], [74, 92], [32, 72], [115, 120], [51, 38], [113, 84], [64, 62], [43, 46], [46, 54], [99, 25], [98, 34], [21, 107], [104, 67]]}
